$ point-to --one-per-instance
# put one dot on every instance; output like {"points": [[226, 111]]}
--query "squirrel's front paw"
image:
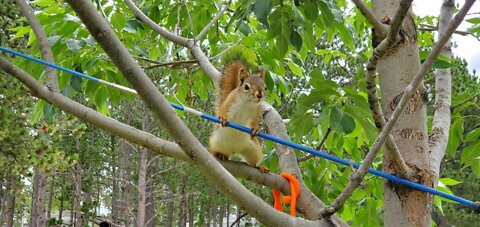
{"points": [[254, 132], [223, 121], [221, 156]]}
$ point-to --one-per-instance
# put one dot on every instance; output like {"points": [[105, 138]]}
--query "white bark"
{"points": [[443, 91], [403, 206]]}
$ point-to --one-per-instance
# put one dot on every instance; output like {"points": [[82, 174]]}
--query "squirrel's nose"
{"points": [[259, 96]]}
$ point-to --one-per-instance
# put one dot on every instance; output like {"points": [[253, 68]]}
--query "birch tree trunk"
{"points": [[404, 206], [443, 94]]}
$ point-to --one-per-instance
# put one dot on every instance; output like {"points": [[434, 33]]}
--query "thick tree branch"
{"points": [[287, 159], [372, 19], [443, 93], [137, 136], [161, 110], [408, 93], [213, 21], [207, 66], [27, 11]]}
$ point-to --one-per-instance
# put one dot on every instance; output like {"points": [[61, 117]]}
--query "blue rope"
{"points": [[279, 140]]}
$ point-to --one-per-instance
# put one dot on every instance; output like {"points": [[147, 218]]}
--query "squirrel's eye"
{"points": [[246, 87]]}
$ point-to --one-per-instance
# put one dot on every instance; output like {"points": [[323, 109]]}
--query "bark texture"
{"points": [[443, 94], [404, 206]]}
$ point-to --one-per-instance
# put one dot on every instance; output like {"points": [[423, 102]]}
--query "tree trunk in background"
{"points": [[2, 194], [78, 190], [115, 182], [191, 210], [42, 196], [170, 207], [126, 171], [60, 209], [150, 217], [141, 186], [72, 203], [142, 172], [213, 214], [239, 213], [220, 216], [10, 199], [33, 210], [404, 206], [50, 196], [227, 210], [182, 207]]}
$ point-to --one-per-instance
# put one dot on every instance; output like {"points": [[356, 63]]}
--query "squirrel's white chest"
{"points": [[243, 111]]}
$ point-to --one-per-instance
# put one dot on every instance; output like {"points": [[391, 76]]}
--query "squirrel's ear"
{"points": [[261, 74]]}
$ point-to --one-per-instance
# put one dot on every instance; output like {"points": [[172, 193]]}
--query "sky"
{"points": [[468, 46]]}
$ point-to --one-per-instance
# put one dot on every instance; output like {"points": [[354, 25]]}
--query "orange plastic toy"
{"points": [[292, 198]]}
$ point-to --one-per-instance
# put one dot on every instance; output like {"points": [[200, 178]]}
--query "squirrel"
{"points": [[238, 100]]}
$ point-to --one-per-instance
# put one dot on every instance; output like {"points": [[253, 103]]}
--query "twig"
{"points": [[319, 147], [27, 11], [409, 91], [213, 21], [430, 28], [173, 63], [238, 219], [465, 101], [190, 19], [372, 19], [206, 65], [226, 49]]}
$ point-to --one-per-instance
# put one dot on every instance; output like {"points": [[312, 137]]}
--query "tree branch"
{"points": [[319, 147], [372, 19], [213, 21], [408, 93], [465, 101], [190, 19], [207, 66], [134, 135], [162, 111], [307, 202], [46, 51], [438, 139], [429, 28]]}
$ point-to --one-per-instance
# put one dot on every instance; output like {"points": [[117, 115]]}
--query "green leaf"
{"points": [[76, 83], [296, 40], [341, 121], [310, 9], [470, 154], [49, 112], [455, 137], [302, 124], [261, 9], [44, 3], [118, 20], [297, 70], [473, 135], [282, 46], [297, 14], [475, 20], [449, 181], [476, 167]]}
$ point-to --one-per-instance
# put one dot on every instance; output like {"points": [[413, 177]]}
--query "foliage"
{"points": [[314, 53]]}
